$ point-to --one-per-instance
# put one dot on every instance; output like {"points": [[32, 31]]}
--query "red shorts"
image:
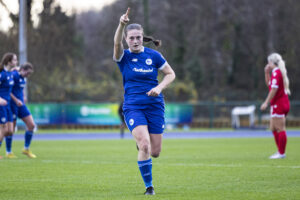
{"points": [[280, 109]]}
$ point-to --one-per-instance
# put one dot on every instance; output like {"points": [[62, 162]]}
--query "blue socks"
{"points": [[28, 137], [145, 167], [8, 141]]}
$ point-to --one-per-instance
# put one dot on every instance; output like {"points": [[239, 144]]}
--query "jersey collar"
{"points": [[275, 69], [143, 49]]}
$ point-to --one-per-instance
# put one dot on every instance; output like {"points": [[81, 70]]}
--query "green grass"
{"points": [[187, 169]]}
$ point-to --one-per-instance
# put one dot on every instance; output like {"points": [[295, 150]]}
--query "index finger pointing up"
{"points": [[127, 12]]}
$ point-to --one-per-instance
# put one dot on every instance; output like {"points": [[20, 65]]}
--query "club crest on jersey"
{"points": [[134, 60], [149, 61], [131, 122]]}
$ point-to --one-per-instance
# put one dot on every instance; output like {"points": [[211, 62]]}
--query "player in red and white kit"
{"points": [[277, 80]]}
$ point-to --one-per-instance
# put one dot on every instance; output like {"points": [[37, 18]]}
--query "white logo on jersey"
{"points": [[274, 82], [131, 122], [143, 70], [274, 74], [148, 61], [134, 60], [275, 106]]}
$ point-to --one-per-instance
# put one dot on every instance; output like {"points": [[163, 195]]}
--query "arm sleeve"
{"points": [[274, 80], [160, 61], [121, 57]]}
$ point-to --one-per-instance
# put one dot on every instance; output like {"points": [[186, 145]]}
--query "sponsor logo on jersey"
{"points": [[148, 61], [143, 70]]}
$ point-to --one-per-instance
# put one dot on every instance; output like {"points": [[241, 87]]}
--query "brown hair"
{"points": [[7, 57], [26, 66], [145, 38]]}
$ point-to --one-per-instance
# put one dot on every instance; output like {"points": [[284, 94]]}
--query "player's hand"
{"points": [[3, 102], [125, 18], [267, 68], [154, 92], [19, 103], [15, 69], [264, 106]]}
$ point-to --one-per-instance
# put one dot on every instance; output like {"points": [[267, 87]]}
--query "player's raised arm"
{"points": [[118, 46]]}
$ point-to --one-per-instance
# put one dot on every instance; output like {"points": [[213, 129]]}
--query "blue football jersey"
{"points": [[140, 72], [6, 85], [19, 85]]}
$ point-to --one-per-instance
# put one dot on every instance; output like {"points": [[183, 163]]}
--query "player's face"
{"points": [[13, 62], [134, 40], [271, 65], [26, 73]]}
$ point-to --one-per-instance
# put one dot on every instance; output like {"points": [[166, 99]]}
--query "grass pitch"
{"points": [[187, 169]]}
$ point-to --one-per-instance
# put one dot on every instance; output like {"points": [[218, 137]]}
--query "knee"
{"points": [[30, 126], [144, 146], [9, 131], [155, 154]]}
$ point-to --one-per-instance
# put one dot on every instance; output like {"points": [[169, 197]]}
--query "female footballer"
{"points": [[143, 102], [278, 83]]}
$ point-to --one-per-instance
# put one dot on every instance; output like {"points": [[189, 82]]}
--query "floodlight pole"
{"points": [[23, 37]]}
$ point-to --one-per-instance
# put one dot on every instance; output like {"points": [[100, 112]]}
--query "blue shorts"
{"points": [[19, 112], [5, 114], [150, 115]]}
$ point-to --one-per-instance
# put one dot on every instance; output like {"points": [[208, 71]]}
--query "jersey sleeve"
{"points": [[122, 61], [15, 75], [275, 78], [160, 61], [121, 57]]}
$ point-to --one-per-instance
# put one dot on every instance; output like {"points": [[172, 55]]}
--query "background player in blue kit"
{"points": [[3, 103], [18, 107], [143, 106], [6, 84]]}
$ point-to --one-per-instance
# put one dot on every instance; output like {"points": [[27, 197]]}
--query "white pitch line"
{"points": [[89, 162]]}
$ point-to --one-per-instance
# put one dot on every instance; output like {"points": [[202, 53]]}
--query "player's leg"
{"points": [[3, 127], [142, 139], [136, 122], [275, 134], [279, 124], [30, 125], [9, 139], [156, 144], [156, 124]]}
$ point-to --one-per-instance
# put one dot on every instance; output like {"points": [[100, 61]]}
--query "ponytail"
{"points": [[279, 62], [151, 39], [286, 82]]}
